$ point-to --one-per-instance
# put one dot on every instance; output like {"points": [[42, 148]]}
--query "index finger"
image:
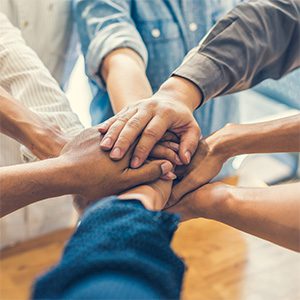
{"points": [[129, 133], [150, 136]]}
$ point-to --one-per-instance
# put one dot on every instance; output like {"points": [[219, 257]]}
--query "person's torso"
{"points": [[47, 27]]}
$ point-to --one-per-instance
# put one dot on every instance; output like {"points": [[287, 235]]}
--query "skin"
{"points": [[282, 135], [271, 213], [81, 168], [153, 196], [123, 71], [145, 116], [43, 139]]}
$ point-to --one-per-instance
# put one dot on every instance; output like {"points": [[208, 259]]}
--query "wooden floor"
{"points": [[222, 264]]}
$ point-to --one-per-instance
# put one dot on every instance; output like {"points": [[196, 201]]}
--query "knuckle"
{"points": [[123, 119], [123, 141], [141, 150], [151, 104], [167, 111], [134, 123], [150, 132]]}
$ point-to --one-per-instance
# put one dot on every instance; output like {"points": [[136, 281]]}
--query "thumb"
{"points": [[148, 172], [189, 142]]}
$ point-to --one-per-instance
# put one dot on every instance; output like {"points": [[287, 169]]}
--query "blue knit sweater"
{"points": [[120, 250]]}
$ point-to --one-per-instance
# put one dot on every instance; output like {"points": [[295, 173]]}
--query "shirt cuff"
{"points": [[114, 36], [202, 71]]}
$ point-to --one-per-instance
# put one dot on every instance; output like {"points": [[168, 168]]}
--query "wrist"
{"points": [[222, 206], [145, 194], [182, 90], [65, 174], [45, 141], [225, 142]]}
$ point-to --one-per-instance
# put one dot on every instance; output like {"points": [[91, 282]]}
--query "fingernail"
{"points": [[165, 168], [178, 161], [107, 142], [135, 163], [188, 156], [115, 153], [171, 176], [102, 126]]}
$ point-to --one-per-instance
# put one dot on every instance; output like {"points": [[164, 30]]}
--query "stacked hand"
{"points": [[94, 175], [161, 127], [148, 121]]}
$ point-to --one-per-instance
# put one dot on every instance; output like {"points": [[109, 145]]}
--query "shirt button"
{"points": [[193, 26], [155, 33], [25, 24]]}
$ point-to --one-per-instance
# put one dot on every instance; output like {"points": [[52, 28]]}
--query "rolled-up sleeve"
{"points": [[255, 41], [103, 26]]}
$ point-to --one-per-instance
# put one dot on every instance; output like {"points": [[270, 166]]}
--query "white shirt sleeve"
{"points": [[25, 77]]}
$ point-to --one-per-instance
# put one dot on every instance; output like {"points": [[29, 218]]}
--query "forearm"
{"points": [[25, 184], [26, 79], [282, 135], [123, 70], [271, 213], [43, 139]]}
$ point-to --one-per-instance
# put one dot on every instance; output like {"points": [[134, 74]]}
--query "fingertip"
{"points": [[102, 127], [101, 130], [169, 176], [178, 161], [106, 143], [135, 162], [166, 167], [188, 156], [116, 153], [185, 157]]}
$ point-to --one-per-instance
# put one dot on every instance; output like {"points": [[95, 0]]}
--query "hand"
{"points": [[47, 140], [94, 175], [205, 202], [167, 148], [151, 118], [205, 165], [153, 196]]}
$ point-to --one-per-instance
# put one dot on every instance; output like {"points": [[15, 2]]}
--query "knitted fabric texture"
{"points": [[119, 237]]}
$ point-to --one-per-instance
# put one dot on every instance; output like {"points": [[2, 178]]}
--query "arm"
{"points": [[123, 70], [116, 58], [115, 53], [25, 184], [111, 44], [80, 169], [43, 139], [255, 41], [128, 256], [282, 135], [271, 213], [25, 78]]}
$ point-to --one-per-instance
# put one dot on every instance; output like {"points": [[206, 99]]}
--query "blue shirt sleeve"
{"points": [[104, 26], [119, 251]]}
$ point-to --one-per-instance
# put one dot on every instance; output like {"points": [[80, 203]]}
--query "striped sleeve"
{"points": [[25, 77]]}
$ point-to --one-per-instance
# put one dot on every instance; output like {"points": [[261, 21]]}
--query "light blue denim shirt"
{"points": [[161, 32]]}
